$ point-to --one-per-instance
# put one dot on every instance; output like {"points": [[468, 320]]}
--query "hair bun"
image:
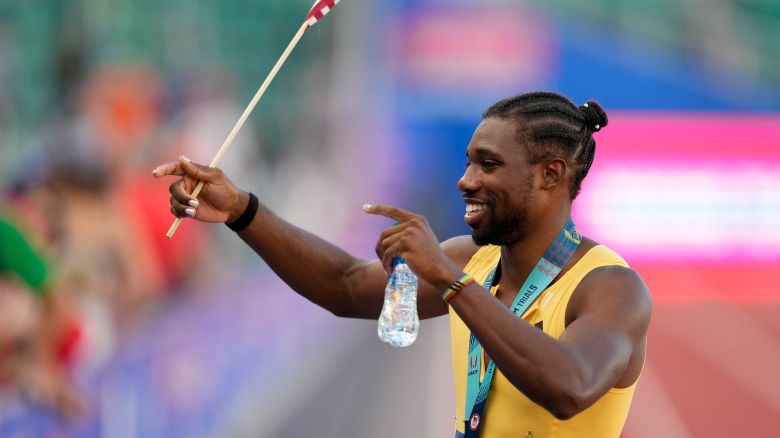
{"points": [[595, 117]]}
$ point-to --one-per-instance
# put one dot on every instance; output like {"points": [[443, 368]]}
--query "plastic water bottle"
{"points": [[399, 323]]}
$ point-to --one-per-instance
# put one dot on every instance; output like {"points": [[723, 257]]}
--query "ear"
{"points": [[553, 173]]}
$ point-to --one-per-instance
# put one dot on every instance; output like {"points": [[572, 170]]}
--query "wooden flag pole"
{"points": [[245, 115]]}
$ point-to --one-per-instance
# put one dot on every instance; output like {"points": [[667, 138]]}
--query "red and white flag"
{"points": [[320, 8]]}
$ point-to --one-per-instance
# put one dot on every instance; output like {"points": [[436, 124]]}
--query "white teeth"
{"points": [[472, 208]]}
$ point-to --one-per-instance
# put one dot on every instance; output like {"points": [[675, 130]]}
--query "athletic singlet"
{"points": [[509, 413]]}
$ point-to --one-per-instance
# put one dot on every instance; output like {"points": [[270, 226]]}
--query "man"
{"points": [[31, 327], [569, 366]]}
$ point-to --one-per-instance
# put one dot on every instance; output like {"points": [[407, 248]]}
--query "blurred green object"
{"points": [[19, 258]]}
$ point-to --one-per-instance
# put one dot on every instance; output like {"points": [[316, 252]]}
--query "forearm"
{"points": [[316, 269], [546, 370]]}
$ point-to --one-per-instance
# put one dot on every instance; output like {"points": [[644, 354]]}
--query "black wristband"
{"points": [[247, 216]]}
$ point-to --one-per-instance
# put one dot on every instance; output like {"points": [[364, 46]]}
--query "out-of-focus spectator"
{"points": [[19, 317], [35, 336], [120, 129], [102, 220], [101, 254]]}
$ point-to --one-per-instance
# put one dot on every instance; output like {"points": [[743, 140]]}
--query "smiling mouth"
{"points": [[474, 212]]}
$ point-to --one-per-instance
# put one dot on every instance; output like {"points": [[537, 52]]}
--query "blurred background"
{"points": [[108, 329]]}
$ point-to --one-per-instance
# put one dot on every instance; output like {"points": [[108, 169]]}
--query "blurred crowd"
{"points": [[83, 254]]}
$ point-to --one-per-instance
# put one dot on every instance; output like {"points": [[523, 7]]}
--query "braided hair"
{"points": [[553, 127]]}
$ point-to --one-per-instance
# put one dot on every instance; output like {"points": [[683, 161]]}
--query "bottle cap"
{"points": [[398, 260]]}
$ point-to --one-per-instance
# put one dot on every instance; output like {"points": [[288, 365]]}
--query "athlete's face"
{"points": [[497, 185]]}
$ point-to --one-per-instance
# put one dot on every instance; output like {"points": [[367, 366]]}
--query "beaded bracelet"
{"points": [[456, 287]]}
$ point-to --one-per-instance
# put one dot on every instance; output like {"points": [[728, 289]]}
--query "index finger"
{"points": [[395, 213], [172, 168]]}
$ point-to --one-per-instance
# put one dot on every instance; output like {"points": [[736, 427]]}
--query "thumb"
{"points": [[198, 171]]}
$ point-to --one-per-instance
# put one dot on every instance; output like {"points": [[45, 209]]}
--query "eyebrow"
{"points": [[484, 153]]}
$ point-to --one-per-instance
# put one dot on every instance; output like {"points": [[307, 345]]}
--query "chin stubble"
{"points": [[500, 232]]}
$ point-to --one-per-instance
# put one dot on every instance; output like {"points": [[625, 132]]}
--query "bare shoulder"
{"points": [[460, 249], [614, 292]]}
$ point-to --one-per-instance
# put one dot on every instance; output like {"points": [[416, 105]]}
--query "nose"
{"points": [[469, 182]]}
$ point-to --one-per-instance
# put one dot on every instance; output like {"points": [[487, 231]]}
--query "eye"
{"points": [[490, 164], [467, 164]]}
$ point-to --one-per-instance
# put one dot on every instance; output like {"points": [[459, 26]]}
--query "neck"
{"points": [[520, 257]]}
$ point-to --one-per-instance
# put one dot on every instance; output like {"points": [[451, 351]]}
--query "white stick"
{"points": [[242, 119]]}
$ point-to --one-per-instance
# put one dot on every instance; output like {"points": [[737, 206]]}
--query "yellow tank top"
{"points": [[509, 413]]}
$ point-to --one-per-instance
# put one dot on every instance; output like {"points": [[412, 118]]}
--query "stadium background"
{"points": [[377, 105]]}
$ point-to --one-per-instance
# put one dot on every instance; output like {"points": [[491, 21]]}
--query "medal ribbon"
{"points": [[554, 259]]}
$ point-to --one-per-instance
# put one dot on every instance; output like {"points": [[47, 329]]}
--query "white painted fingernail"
{"points": [[190, 212], [154, 172], [193, 203], [367, 206], [185, 158]]}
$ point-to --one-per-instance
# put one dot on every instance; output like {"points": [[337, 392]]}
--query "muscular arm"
{"points": [[321, 272], [608, 317], [330, 277], [316, 269]]}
